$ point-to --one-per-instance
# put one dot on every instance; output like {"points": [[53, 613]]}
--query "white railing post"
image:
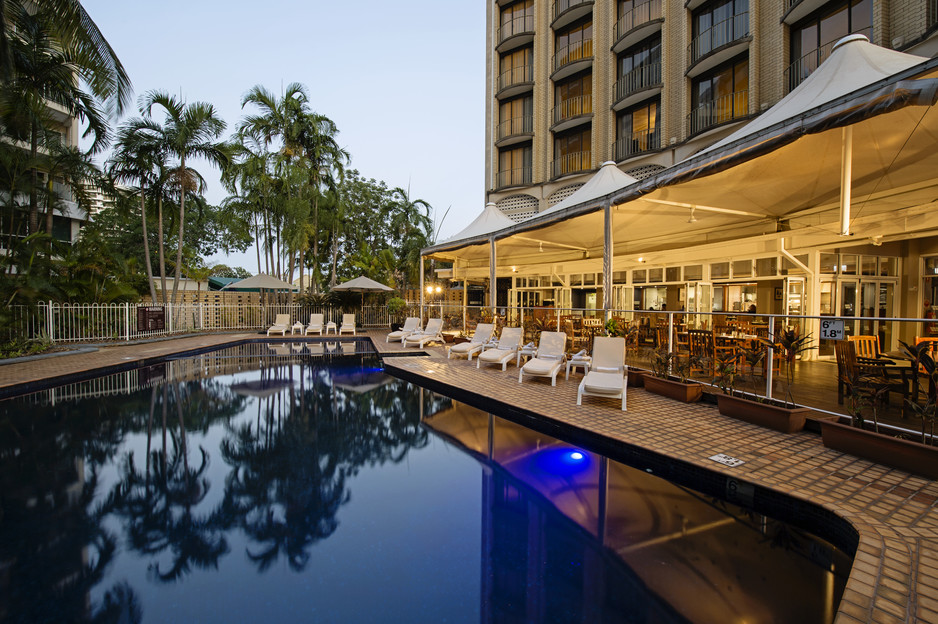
{"points": [[168, 327], [50, 326], [770, 355], [127, 320]]}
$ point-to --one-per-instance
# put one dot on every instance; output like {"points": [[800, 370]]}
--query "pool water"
{"points": [[297, 482]]}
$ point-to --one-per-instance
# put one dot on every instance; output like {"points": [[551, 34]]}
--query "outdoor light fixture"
{"points": [[540, 247], [692, 219], [641, 259]]}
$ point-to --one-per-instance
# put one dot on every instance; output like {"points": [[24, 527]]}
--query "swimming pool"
{"points": [[298, 482]]}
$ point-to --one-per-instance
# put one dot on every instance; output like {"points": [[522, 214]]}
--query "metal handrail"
{"points": [[517, 25], [639, 15], [515, 75], [637, 143], [718, 111], [560, 6], [571, 163], [805, 66], [573, 107], [641, 77], [572, 52], [516, 125], [514, 177], [718, 35]]}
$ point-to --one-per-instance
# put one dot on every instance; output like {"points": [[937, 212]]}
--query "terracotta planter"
{"points": [[684, 392], [637, 377], [914, 457], [777, 417]]}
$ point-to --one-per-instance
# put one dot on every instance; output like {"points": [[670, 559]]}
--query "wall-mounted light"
{"points": [[692, 219], [641, 259], [540, 247]]}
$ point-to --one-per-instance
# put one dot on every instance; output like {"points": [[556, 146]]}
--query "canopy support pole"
{"points": [[421, 287], [846, 180], [465, 299], [492, 259], [607, 261]]}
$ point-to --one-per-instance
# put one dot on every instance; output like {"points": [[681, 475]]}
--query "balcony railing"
{"points": [[571, 163], [517, 25], [573, 107], [560, 6], [638, 79], [931, 19], [718, 35], [805, 66], [573, 52], [718, 111], [636, 143], [515, 126], [515, 75], [514, 177], [641, 14]]}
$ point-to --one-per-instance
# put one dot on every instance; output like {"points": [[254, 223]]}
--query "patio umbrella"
{"points": [[362, 284], [261, 281]]}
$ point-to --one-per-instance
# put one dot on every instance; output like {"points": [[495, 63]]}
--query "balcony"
{"points": [[516, 80], [931, 18], [566, 12], [636, 143], [515, 32], [717, 44], [574, 162], [514, 177], [637, 24], [572, 58], [515, 128], [633, 86], [569, 109], [719, 111], [805, 66]]}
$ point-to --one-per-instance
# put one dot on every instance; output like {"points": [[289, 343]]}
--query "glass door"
{"points": [[698, 302]]}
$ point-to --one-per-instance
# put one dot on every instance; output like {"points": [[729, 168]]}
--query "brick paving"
{"points": [[895, 572]]}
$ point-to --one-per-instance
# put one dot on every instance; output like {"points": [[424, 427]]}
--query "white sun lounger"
{"points": [[433, 331], [481, 336], [549, 358], [505, 351], [315, 324], [348, 324], [281, 325], [608, 375], [411, 324]]}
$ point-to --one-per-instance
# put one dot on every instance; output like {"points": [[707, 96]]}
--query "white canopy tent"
{"points": [[778, 177]]}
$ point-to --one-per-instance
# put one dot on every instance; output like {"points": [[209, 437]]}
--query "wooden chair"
{"points": [[864, 374], [701, 351], [866, 346]]}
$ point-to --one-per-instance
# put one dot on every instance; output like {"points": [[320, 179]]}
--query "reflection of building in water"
{"points": [[685, 555], [245, 357]]}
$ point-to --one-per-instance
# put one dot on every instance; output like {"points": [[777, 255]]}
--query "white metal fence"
{"points": [[66, 322]]}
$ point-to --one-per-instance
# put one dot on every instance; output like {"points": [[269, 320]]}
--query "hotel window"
{"points": [[573, 97], [639, 67], [693, 272], [637, 130], [515, 117], [718, 24], [516, 67], [517, 18], [514, 166], [719, 270], [573, 44], [813, 38], [572, 152], [720, 95]]}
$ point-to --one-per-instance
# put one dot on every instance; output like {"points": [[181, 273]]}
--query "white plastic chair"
{"points": [[481, 336], [608, 375], [505, 351], [549, 358]]}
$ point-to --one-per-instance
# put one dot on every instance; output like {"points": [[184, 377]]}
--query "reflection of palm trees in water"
{"points": [[159, 503], [290, 472]]}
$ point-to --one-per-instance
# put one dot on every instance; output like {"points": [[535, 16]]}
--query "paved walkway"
{"points": [[895, 573]]}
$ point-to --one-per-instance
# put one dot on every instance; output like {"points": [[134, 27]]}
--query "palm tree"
{"points": [[134, 161], [188, 131], [79, 37]]}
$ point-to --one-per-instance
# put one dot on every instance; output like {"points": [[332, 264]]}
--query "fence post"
{"points": [[770, 355], [169, 318], [127, 320], [49, 324], [201, 316]]}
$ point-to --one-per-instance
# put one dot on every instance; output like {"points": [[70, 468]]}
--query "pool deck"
{"points": [[895, 573]]}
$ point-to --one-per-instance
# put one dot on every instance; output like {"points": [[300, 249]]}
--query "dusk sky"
{"points": [[404, 82]]}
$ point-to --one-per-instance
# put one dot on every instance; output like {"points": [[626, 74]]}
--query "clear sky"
{"points": [[403, 81]]}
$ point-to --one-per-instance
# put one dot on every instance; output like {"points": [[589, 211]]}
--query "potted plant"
{"points": [[751, 407], [669, 377], [396, 310], [918, 457]]}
